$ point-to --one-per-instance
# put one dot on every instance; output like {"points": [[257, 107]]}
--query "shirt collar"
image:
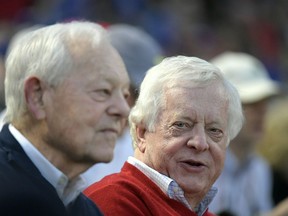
{"points": [[171, 188], [67, 190]]}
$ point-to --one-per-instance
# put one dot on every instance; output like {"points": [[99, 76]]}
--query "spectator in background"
{"points": [[139, 52], [274, 147], [66, 89], [184, 118], [245, 185]]}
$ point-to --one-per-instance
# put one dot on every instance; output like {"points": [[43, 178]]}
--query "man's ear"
{"points": [[141, 139], [34, 91]]}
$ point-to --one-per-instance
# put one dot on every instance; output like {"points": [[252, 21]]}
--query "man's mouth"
{"points": [[193, 163]]}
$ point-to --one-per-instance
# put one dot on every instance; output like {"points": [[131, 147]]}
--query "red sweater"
{"points": [[132, 193]]}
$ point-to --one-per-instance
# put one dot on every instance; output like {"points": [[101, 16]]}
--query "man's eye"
{"points": [[127, 95], [101, 95], [216, 132], [180, 124], [105, 91]]}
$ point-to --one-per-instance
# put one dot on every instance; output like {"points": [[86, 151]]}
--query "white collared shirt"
{"points": [[67, 190], [171, 188]]}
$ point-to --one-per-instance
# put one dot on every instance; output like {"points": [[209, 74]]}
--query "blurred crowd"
{"points": [[202, 28]]}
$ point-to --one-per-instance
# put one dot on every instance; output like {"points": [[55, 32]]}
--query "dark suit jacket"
{"points": [[24, 191]]}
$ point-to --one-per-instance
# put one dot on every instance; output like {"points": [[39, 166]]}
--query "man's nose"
{"points": [[198, 140], [119, 106]]}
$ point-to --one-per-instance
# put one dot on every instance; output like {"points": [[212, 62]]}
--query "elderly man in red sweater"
{"points": [[181, 124]]}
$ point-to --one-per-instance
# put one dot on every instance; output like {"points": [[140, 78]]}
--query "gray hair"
{"points": [[47, 53], [181, 70]]}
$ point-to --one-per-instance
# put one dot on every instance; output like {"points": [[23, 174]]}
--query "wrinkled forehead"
{"points": [[201, 97], [100, 60], [214, 89], [201, 104]]}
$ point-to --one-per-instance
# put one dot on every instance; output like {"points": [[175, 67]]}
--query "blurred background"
{"points": [[202, 28]]}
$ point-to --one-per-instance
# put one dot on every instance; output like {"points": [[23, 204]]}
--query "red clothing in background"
{"points": [[12, 9]]}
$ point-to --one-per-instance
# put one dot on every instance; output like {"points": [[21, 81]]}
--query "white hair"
{"points": [[45, 53]]}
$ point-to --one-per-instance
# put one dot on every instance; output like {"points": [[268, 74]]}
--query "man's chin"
{"points": [[99, 158]]}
